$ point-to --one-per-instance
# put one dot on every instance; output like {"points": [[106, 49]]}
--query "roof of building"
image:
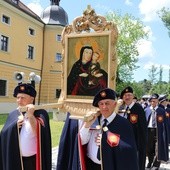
{"points": [[19, 5], [52, 15], [55, 15]]}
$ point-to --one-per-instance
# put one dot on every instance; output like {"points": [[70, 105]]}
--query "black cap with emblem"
{"points": [[106, 93], [126, 90], [26, 89]]}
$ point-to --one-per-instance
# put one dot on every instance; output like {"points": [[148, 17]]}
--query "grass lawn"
{"points": [[56, 128]]}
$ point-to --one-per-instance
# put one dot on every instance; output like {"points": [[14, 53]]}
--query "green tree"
{"points": [[153, 77], [160, 83], [164, 14], [169, 83], [131, 30], [153, 74], [147, 86]]}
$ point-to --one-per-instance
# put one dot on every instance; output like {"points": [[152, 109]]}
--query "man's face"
{"points": [[107, 107], [154, 102], [128, 98], [24, 99], [164, 103]]}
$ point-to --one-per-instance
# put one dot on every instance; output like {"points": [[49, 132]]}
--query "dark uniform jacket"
{"points": [[136, 117], [162, 133], [10, 149], [68, 153], [124, 154]]}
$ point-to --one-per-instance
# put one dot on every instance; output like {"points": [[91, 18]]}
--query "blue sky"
{"points": [[155, 50]]}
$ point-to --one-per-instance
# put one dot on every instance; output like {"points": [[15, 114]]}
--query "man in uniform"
{"points": [[68, 152], [110, 146], [157, 147], [136, 116], [163, 102], [26, 137]]}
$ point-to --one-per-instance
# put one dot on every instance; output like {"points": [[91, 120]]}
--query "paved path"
{"points": [[54, 157], [164, 166]]}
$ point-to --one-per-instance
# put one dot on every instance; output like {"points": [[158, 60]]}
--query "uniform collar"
{"points": [[131, 105], [153, 108], [109, 119]]}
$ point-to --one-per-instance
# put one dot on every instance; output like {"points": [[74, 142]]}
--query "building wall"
{"points": [[51, 73], [15, 60]]}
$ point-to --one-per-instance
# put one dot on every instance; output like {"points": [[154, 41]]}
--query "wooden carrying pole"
{"points": [[84, 111]]}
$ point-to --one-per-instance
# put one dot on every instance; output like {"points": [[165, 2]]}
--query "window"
{"points": [[4, 43], [58, 91], [3, 89], [58, 57], [30, 52], [5, 19], [31, 31], [58, 38]]}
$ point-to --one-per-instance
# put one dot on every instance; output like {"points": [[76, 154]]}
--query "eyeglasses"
{"points": [[128, 95]]}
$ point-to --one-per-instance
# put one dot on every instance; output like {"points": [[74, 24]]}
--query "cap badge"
{"points": [[103, 94], [22, 88]]}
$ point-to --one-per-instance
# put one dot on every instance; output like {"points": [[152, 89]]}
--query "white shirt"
{"points": [[150, 121], [130, 106], [28, 140], [88, 136]]}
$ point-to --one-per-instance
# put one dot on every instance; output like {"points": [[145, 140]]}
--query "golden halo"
{"points": [[87, 41]]}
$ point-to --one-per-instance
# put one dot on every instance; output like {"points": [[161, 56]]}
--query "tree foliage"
{"points": [[131, 30], [153, 74], [164, 14]]}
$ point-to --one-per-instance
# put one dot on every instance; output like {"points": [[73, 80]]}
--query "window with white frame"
{"points": [[5, 19], [31, 31], [3, 89], [58, 57], [58, 91], [4, 43], [30, 52], [58, 38]]}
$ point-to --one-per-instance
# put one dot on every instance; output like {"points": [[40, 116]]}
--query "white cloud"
{"points": [[150, 64], [35, 7], [102, 8], [149, 8], [128, 2], [145, 47]]}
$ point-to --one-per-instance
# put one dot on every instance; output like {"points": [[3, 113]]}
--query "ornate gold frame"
{"points": [[88, 27]]}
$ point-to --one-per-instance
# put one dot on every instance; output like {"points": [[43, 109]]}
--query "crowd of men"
{"points": [[112, 140], [157, 112], [149, 121]]}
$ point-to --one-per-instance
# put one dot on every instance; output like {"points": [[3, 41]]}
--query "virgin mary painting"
{"points": [[86, 77]]}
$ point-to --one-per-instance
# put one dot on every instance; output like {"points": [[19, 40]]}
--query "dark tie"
{"points": [[23, 113], [153, 119], [98, 152], [126, 111]]}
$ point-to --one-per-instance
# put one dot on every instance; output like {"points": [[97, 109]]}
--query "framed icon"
{"points": [[89, 60], [88, 65]]}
